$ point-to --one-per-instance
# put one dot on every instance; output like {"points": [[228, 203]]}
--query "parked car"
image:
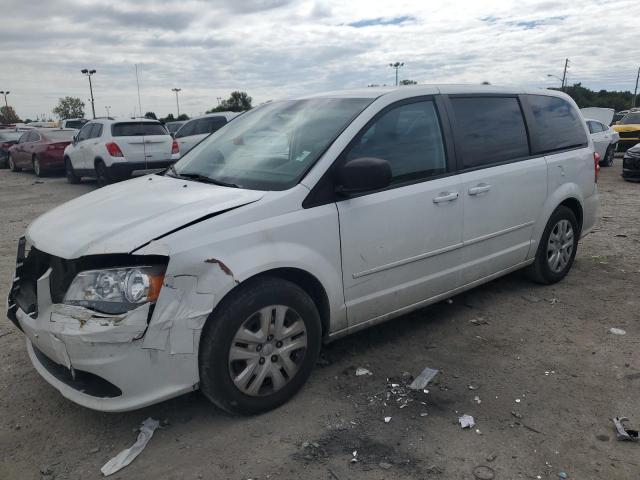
{"points": [[631, 163], [173, 127], [40, 150], [227, 271], [7, 139], [605, 141], [629, 130], [198, 128], [76, 123], [602, 115], [41, 125], [111, 150]]}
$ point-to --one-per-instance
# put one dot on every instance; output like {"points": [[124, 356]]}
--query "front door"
{"points": [[400, 245]]}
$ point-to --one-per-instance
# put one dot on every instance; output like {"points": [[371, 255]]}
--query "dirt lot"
{"points": [[547, 373]]}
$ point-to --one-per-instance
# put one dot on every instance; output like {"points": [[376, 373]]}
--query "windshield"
{"points": [[631, 118], [60, 134], [272, 146], [137, 129]]}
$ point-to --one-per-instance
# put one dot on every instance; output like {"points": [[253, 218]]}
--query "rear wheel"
{"points": [[557, 248], [102, 174], [12, 164], [37, 167], [260, 347], [69, 172]]}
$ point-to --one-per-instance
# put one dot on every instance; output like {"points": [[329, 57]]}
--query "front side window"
{"points": [[409, 138], [594, 127], [84, 133], [96, 131], [272, 146], [556, 124], [489, 130]]}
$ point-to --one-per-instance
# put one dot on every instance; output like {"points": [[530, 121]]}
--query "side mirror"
{"points": [[75, 139], [363, 175]]}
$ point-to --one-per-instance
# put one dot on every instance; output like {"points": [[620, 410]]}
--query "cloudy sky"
{"points": [[280, 48]]}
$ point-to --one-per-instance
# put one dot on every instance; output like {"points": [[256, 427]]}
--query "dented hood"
{"points": [[122, 217]]}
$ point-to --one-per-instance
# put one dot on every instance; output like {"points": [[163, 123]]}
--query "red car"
{"points": [[40, 150]]}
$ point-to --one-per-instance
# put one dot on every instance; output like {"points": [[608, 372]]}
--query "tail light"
{"points": [[57, 146], [175, 149], [596, 165], [114, 149]]}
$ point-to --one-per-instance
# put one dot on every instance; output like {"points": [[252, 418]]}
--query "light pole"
{"points": [[219, 100], [561, 80], [107, 109], [635, 92], [88, 73], [8, 92], [396, 66], [177, 102]]}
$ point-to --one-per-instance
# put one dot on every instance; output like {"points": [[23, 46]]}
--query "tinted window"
{"points": [[211, 124], [409, 138], [96, 131], [83, 134], [489, 130], [173, 127], [557, 125], [137, 129], [74, 123], [187, 129], [594, 127]]}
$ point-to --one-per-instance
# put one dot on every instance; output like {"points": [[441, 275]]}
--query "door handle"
{"points": [[445, 197], [478, 189]]}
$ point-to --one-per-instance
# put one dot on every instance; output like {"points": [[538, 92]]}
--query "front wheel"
{"points": [[557, 248], [259, 346], [12, 164]]}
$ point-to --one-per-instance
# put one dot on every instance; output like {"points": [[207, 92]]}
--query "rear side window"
{"points": [[489, 130], [409, 138], [137, 129], [214, 123], [556, 124], [187, 129]]}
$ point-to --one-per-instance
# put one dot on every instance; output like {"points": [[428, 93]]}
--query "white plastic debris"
{"points": [[387, 419], [617, 331], [128, 455], [517, 400], [477, 399], [466, 421], [362, 371], [422, 380]]}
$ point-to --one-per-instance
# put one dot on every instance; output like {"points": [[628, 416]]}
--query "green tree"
{"points": [[8, 115], [150, 115], [486, 83], [69, 107], [237, 102], [182, 117], [408, 82], [585, 97]]}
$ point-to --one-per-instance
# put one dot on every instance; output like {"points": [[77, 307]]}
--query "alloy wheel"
{"points": [[560, 246], [267, 350]]}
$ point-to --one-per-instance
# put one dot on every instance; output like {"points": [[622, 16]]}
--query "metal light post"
{"points": [[564, 75], [219, 100], [107, 108], [396, 66], [177, 102], [561, 80], [88, 73], [8, 92], [635, 92]]}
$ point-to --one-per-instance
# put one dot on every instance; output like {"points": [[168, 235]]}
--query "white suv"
{"points": [[198, 128], [111, 150], [299, 222]]}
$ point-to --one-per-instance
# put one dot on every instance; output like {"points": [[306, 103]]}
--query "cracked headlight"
{"points": [[115, 290]]}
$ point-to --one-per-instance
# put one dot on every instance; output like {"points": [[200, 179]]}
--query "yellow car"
{"points": [[629, 130]]}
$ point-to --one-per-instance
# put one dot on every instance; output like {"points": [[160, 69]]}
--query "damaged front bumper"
{"points": [[116, 362]]}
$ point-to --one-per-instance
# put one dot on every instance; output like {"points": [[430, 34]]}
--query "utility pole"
{"points": [[88, 73], [107, 109], [564, 75], [177, 102], [396, 66], [635, 92]]}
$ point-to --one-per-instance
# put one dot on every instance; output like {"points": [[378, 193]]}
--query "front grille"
{"points": [[632, 134]]}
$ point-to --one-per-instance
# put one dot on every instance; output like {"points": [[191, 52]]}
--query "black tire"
{"points": [[37, 167], [12, 165], [102, 174], [540, 271], [219, 333], [609, 155], [70, 172]]}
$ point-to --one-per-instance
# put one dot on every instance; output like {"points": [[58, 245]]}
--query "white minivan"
{"points": [[299, 222]]}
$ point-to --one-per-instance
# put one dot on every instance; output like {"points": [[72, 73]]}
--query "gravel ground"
{"points": [[548, 376]]}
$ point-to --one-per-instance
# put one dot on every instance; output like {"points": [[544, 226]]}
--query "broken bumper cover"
{"points": [[100, 365]]}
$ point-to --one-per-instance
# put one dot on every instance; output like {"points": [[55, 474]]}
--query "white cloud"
{"points": [[280, 48]]}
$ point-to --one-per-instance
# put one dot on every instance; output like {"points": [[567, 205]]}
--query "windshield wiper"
{"points": [[172, 170], [204, 179]]}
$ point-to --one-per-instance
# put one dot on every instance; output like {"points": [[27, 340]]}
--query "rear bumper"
{"points": [[125, 169], [590, 208], [52, 161]]}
